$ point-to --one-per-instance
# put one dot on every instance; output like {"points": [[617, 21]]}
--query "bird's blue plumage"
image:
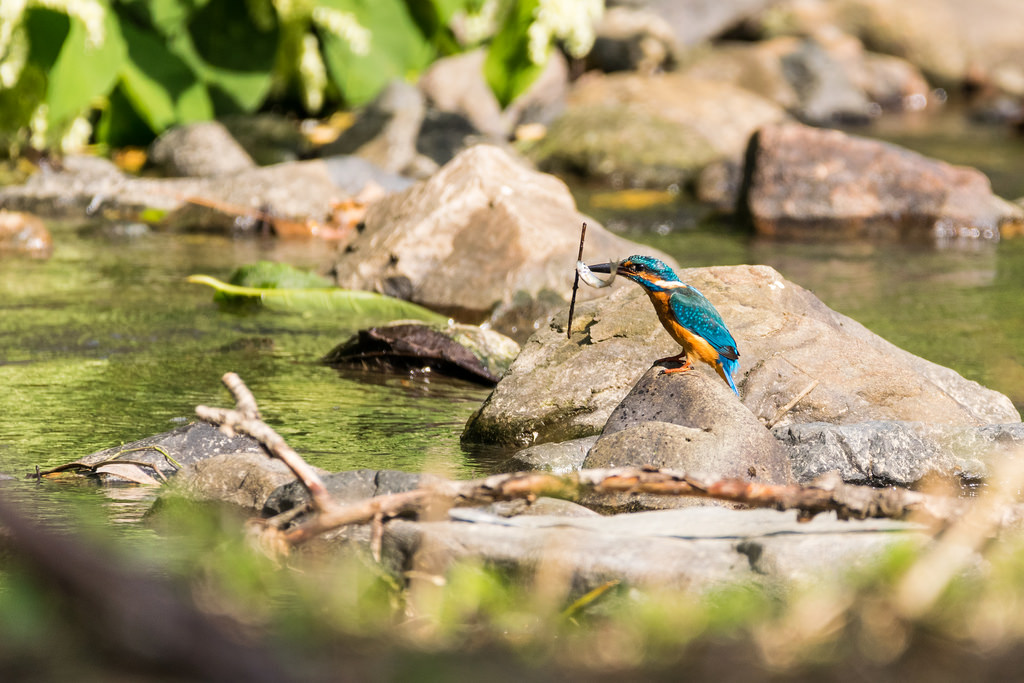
{"points": [[689, 309]]}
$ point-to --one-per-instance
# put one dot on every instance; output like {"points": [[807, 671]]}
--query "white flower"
{"points": [[345, 26], [569, 20], [313, 72]]}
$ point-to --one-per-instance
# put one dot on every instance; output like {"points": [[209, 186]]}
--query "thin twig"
{"points": [[789, 406], [575, 282]]}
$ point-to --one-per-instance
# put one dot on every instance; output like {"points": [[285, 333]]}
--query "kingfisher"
{"points": [[686, 313]]}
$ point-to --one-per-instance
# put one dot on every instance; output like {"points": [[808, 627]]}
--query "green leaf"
{"points": [[271, 275], [398, 49], [508, 68], [161, 86], [345, 302], [82, 71]]}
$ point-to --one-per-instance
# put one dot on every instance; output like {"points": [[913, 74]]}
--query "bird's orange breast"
{"points": [[693, 344]]}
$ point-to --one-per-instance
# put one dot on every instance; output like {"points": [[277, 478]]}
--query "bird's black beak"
{"points": [[601, 267]]}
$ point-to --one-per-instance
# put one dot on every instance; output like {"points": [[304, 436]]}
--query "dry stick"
{"points": [[575, 282], [825, 495], [789, 406], [246, 420]]}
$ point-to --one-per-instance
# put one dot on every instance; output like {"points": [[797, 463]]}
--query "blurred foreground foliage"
{"points": [[343, 617], [121, 71]]}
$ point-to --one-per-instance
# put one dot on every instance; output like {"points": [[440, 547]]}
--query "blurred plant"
{"points": [[122, 71]]}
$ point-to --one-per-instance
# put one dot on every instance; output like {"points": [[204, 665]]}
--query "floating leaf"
{"points": [[348, 302]]}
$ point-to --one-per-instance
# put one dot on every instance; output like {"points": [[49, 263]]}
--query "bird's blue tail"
{"points": [[727, 367]]}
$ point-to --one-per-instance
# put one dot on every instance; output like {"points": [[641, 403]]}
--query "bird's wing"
{"points": [[696, 314]]}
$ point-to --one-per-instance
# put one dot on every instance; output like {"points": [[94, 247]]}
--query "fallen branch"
{"points": [[828, 494]]}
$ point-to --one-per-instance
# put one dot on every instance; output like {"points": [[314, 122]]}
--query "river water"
{"points": [[106, 343]]}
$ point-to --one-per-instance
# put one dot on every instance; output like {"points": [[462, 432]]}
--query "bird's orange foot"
{"points": [[686, 364]]}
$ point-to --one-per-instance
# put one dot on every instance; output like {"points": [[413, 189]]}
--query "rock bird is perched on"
{"points": [[687, 315]]}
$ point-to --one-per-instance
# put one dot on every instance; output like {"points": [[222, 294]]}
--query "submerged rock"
{"points": [[155, 459], [559, 389], [815, 184], [245, 479], [464, 351], [485, 237]]}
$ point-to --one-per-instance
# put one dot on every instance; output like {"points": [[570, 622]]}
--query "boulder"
{"points": [[558, 457], [245, 479], [696, 549], [485, 238], [813, 184], [650, 130], [897, 453], [559, 389], [155, 459], [205, 148], [691, 422]]}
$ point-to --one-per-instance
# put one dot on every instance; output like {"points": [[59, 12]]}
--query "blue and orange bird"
{"points": [[687, 315]]}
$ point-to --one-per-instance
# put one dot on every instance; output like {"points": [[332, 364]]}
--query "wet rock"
{"points": [[692, 549], [24, 234], [268, 138], [155, 459], [205, 148], [88, 187], [344, 487], [559, 389], [808, 183], [565, 456], [244, 479], [485, 237], [655, 130], [698, 21], [817, 81], [456, 85], [900, 453], [464, 351]]}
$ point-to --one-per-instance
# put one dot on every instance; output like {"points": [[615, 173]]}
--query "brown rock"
{"points": [[23, 233], [484, 237], [810, 183]]}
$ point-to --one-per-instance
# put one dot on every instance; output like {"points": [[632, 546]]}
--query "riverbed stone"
{"points": [[89, 188], [814, 184], [694, 549], [245, 479], [159, 457], [650, 130], [485, 238], [559, 389], [898, 453], [559, 457], [204, 148]]}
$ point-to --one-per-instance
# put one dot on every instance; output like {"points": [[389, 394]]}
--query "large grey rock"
{"points": [[245, 479], [901, 453], [652, 130], [559, 389], [205, 148], [485, 237], [560, 457], [344, 487], [692, 548], [818, 184], [691, 422]]}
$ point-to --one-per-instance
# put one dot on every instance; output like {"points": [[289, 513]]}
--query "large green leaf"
{"points": [[82, 71], [161, 86], [508, 68], [398, 49], [347, 302]]}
